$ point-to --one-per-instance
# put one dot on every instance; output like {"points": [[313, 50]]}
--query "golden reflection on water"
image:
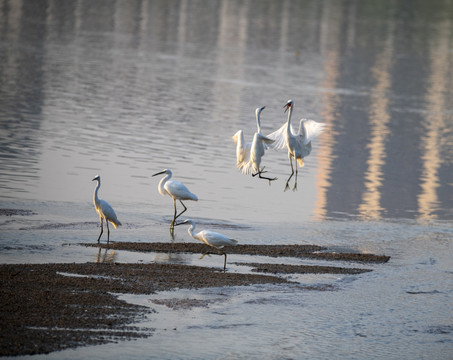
{"points": [[379, 117], [330, 45], [431, 140]]}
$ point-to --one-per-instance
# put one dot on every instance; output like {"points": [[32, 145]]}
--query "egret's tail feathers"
{"points": [[189, 196], [248, 168], [300, 162], [116, 223], [234, 242]]}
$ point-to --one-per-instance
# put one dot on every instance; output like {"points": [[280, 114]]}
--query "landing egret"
{"points": [[176, 189], [298, 144], [248, 156], [104, 210], [211, 238]]}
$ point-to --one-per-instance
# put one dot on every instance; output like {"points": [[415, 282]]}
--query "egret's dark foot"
{"points": [[295, 187], [269, 179], [206, 253], [259, 172], [286, 187], [264, 177]]}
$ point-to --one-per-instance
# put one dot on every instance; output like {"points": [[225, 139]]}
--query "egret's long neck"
{"points": [[191, 230], [288, 124], [162, 183], [258, 122], [95, 196]]}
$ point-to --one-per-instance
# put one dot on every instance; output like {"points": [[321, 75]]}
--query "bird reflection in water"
{"points": [[108, 256]]}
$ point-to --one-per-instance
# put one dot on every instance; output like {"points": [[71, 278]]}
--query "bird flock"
{"points": [[248, 161]]}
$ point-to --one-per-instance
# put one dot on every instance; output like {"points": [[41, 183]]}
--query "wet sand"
{"points": [[50, 307]]}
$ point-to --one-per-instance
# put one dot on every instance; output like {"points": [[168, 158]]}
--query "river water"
{"points": [[126, 89]]}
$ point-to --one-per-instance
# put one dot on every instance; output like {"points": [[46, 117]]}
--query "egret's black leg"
{"points": [[108, 231], [174, 216], [102, 229], [292, 172], [224, 263], [182, 212]]}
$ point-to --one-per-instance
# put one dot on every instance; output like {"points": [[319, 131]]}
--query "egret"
{"points": [[211, 238], [104, 210], [176, 189], [248, 156], [298, 144]]}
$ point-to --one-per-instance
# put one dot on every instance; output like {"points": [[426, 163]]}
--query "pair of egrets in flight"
{"points": [[298, 144], [248, 158], [178, 191]]}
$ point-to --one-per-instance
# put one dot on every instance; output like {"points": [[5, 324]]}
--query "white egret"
{"points": [[211, 238], [248, 156], [104, 210], [298, 144], [177, 190]]}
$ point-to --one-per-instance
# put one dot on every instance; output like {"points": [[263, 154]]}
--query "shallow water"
{"points": [[165, 84]]}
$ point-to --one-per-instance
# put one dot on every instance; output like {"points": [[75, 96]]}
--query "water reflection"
{"points": [[156, 84], [431, 141], [379, 116], [107, 256]]}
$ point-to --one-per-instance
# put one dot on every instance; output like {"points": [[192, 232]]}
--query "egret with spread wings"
{"points": [[248, 155], [297, 143]]}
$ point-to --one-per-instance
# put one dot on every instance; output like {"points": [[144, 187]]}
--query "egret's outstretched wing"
{"points": [[242, 150], [266, 141], [279, 137], [310, 129], [243, 155]]}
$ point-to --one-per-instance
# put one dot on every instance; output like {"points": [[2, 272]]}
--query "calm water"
{"points": [[126, 89]]}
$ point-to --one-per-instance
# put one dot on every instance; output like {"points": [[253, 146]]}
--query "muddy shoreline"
{"points": [[298, 251], [51, 307]]}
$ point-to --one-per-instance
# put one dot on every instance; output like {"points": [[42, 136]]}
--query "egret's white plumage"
{"points": [[210, 238], [242, 149], [104, 210], [248, 155], [297, 143], [176, 189]]}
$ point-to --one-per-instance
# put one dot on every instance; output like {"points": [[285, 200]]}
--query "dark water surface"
{"points": [[125, 89]]}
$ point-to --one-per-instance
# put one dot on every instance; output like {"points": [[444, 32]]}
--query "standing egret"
{"points": [[176, 189], [298, 144], [104, 210], [211, 238], [248, 156]]}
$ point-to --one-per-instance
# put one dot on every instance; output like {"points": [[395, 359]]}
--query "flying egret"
{"points": [[176, 189], [248, 156], [211, 238], [298, 144], [104, 210]]}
